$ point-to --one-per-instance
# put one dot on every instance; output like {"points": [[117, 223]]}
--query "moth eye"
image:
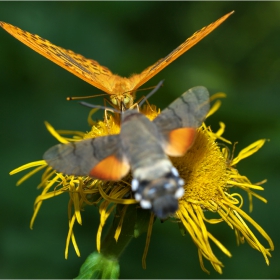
{"points": [[126, 100], [114, 101]]}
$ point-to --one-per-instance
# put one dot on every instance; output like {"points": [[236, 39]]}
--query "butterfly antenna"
{"points": [[151, 93], [100, 107], [84, 97]]}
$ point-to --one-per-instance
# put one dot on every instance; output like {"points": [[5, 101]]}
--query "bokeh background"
{"points": [[240, 58]]}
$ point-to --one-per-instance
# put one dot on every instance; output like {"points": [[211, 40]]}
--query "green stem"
{"points": [[105, 265], [109, 246]]}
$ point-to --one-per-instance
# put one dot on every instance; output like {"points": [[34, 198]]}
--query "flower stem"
{"points": [[109, 246]]}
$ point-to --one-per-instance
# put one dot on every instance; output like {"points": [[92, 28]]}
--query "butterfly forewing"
{"points": [[87, 69], [151, 71]]}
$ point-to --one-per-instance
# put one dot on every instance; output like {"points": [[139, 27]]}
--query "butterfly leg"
{"points": [[106, 116], [148, 103]]}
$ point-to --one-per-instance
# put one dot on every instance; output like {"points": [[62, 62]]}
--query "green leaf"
{"points": [[99, 266]]}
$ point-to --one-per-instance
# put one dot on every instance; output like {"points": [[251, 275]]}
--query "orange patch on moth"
{"points": [[110, 168], [180, 140]]}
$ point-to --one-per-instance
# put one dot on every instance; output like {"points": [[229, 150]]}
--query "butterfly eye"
{"points": [[126, 99], [114, 101]]}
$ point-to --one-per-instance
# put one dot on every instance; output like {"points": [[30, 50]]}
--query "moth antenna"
{"points": [[100, 107], [69, 98], [151, 93]]}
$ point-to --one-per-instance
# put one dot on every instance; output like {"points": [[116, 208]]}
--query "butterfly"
{"points": [[142, 146], [121, 89]]}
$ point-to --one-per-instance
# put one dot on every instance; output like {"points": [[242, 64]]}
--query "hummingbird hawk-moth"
{"points": [[142, 146]]}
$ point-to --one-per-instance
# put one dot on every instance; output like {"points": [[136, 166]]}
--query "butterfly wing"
{"points": [[151, 71], [178, 122], [86, 69], [100, 158]]}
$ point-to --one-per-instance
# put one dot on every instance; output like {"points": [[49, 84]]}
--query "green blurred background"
{"points": [[241, 58]]}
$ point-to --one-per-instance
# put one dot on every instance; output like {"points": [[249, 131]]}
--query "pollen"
{"points": [[203, 168]]}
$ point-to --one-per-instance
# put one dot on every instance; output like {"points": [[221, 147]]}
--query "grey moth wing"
{"points": [[100, 158], [178, 122]]}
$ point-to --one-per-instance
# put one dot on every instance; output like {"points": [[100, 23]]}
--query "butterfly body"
{"points": [[143, 147], [121, 90]]}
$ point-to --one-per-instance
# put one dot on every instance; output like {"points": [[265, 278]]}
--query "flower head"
{"points": [[211, 184]]}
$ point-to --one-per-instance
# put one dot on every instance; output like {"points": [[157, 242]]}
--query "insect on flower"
{"points": [[120, 89], [142, 146]]}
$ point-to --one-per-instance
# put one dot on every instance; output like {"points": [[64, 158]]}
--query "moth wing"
{"points": [[151, 71], [86, 69], [178, 122], [100, 158]]}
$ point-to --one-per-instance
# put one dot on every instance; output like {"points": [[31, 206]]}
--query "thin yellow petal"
{"points": [[76, 133], [75, 198], [28, 165], [248, 151], [28, 175], [119, 227], [220, 245], [200, 257], [90, 121], [245, 185], [217, 95], [71, 234], [38, 202], [104, 214], [54, 133], [49, 172], [115, 200], [215, 107]]}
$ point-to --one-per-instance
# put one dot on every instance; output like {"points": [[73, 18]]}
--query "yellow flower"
{"points": [[211, 184]]}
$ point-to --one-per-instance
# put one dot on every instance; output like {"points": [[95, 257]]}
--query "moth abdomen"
{"points": [[161, 194]]}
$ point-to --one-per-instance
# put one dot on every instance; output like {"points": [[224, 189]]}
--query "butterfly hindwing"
{"points": [[100, 158], [178, 122]]}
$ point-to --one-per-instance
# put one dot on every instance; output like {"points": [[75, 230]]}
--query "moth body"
{"points": [[156, 182], [140, 140]]}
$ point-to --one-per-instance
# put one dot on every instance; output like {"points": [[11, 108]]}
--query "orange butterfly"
{"points": [[121, 90]]}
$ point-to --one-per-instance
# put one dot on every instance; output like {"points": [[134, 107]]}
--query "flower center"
{"points": [[203, 168]]}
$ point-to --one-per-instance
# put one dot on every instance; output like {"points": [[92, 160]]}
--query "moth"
{"points": [[120, 89], [142, 146]]}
